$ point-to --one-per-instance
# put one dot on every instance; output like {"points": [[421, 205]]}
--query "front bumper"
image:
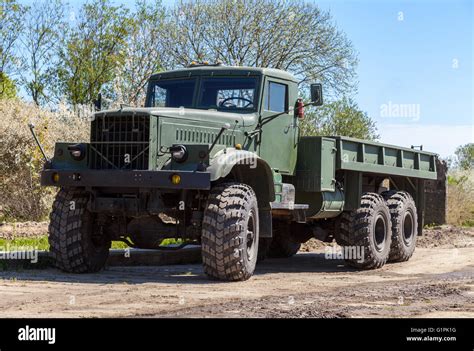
{"points": [[125, 179]]}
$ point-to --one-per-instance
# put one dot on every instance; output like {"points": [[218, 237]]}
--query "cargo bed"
{"points": [[319, 158]]}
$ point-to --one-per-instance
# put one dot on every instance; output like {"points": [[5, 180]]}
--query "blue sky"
{"points": [[416, 67], [418, 54]]}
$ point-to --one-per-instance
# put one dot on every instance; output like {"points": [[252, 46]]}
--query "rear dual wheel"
{"points": [[383, 229], [365, 234], [404, 225]]}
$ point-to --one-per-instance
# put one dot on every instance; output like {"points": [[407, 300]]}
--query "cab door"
{"points": [[278, 140]]}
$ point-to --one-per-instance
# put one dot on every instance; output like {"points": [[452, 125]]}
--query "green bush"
{"points": [[21, 197], [461, 198]]}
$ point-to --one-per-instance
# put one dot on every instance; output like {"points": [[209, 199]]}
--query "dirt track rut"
{"points": [[436, 282]]}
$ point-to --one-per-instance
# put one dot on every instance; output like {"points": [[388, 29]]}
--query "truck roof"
{"points": [[225, 70]]}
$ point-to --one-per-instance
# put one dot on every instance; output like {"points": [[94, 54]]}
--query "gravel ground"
{"points": [[437, 282]]}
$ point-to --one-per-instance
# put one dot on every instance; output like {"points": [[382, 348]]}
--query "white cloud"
{"points": [[441, 139]]}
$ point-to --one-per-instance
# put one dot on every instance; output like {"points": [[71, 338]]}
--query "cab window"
{"points": [[277, 97]]}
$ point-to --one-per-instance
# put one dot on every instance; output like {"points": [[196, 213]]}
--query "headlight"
{"points": [[77, 151], [179, 153]]}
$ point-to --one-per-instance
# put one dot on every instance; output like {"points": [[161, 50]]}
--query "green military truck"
{"points": [[215, 158]]}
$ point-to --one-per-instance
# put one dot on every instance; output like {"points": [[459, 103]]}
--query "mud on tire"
{"points": [[230, 232], [367, 228], [404, 225], [75, 245]]}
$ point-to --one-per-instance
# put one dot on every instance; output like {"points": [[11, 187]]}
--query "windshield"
{"points": [[228, 93], [219, 93], [172, 93]]}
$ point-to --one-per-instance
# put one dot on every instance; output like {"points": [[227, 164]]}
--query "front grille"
{"points": [[120, 142]]}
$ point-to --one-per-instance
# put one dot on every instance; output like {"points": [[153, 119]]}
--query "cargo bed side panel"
{"points": [[377, 158]]}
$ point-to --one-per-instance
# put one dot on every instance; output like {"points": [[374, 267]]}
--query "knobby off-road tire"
{"points": [[404, 225], [367, 228], [230, 232], [74, 242], [283, 245]]}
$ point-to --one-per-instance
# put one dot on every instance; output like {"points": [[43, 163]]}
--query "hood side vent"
{"points": [[203, 136]]}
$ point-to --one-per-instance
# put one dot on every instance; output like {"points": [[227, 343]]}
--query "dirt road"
{"points": [[436, 282]]}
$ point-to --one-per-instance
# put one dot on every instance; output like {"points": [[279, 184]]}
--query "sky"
{"points": [[415, 69]]}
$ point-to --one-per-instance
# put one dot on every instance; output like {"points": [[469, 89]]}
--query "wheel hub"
{"points": [[408, 230], [380, 232], [251, 236]]}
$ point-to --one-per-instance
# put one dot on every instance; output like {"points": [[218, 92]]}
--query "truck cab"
{"points": [[239, 96]]}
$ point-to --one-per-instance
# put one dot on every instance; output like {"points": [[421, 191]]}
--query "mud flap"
{"points": [[265, 219]]}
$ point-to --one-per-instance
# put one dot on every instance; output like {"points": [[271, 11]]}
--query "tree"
{"points": [[144, 53], [465, 156], [92, 51], [10, 28], [291, 35], [44, 23], [7, 87], [342, 117]]}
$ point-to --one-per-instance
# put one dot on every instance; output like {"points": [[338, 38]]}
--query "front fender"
{"points": [[224, 160], [246, 167]]}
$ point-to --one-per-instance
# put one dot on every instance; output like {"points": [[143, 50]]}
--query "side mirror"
{"points": [[98, 102], [317, 94]]}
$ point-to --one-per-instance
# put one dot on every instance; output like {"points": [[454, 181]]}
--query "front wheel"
{"points": [[230, 232], [76, 242]]}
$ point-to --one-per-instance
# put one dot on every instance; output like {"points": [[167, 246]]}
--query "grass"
{"points": [[469, 222], [41, 243]]}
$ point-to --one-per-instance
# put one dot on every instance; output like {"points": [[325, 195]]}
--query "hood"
{"points": [[243, 119]]}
